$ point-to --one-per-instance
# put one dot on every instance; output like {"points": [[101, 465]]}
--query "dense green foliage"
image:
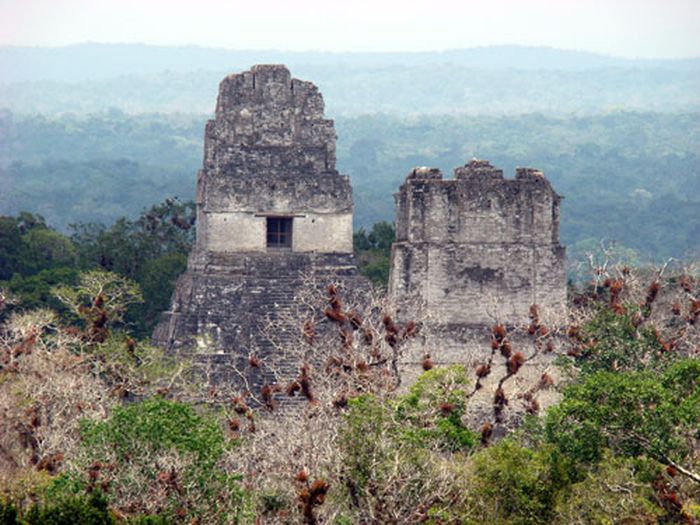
{"points": [[373, 251], [34, 258], [429, 417], [630, 413], [617, 344], [169, 446], [29, 246], [638, 166], [160, 456], [591, 500], [88, 510], [153, 426], [446, 390], [151, 250], [67, 510], [513, 484]]}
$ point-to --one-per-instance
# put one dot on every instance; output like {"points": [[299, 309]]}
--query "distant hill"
{"points": [[91, 61], [504, 80]]}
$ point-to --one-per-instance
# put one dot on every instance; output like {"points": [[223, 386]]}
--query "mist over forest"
{"points": [[94, 132]]}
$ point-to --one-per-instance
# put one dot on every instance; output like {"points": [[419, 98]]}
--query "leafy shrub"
{"points": [[615, 343], [88, 509], [431, 413], [512, 484], [161, 457], [8, 513], [385, 475], [85, 509], [367, 424], [632, 413], [397, 454], [611, 493], [35, 291]]}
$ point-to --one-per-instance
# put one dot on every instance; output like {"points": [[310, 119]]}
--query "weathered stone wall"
{"points": [[472, 252], [225, 307], [245, 232], [268, 152], [478, 248]]}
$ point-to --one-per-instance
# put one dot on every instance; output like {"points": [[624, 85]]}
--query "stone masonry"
{"points": [[273, 214], [472, 252], [271, 211], [479, 248]]}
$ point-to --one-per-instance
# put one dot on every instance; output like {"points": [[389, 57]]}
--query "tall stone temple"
{"points": [[473, 251], [271, 210]]}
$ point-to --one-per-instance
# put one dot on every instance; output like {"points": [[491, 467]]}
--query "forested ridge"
{"points": [[351, 90], [633, 178], [487, 80], [114, 129]]}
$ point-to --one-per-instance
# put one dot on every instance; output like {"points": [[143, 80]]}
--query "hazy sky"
{"points": [[630, 28]]}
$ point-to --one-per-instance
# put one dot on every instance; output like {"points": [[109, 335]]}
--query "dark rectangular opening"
{"points": [[279, 233]]}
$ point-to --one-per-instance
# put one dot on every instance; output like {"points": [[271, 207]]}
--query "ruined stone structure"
{"points": [[271, 209], [477, 249], [471, 252]]}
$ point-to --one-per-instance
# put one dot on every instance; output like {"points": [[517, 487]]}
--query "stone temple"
{"points": [[271, 209], [473, 251], [479, 248]]}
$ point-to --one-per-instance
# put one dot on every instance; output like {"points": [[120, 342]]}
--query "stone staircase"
{"points": [[237, 305]]}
